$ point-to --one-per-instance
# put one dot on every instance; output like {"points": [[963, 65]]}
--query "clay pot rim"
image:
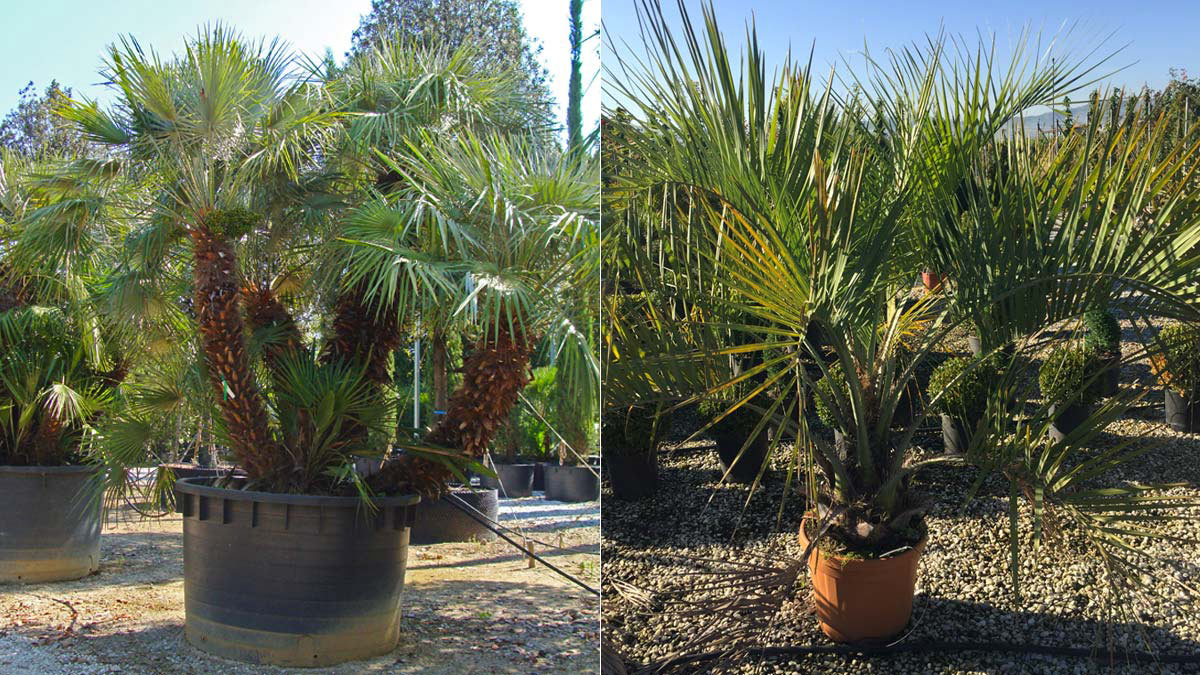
{"points": [[844, 561]]}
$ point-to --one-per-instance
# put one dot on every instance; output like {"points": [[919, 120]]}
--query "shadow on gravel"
{"points": [[448, 626], [949, 635]]}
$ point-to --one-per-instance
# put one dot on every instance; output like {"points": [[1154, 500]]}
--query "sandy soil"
{"points": [[469, 608]]}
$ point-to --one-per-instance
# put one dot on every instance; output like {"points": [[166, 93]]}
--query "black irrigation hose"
{"points": [[930, 646], [458, 503]]}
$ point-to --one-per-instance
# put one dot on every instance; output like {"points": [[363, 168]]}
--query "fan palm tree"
{"points": [[519, 218], [779, 209]]}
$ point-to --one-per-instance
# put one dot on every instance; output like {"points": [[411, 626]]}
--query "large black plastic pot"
{"points": [[632, 476], [746, 468], [1110, 377], [180, 471], [512, 480], [444, 521], [49, 523], [539, 476], [956, 436], [1182, 414], [1066, 420], [572, 483], [292, 580]]}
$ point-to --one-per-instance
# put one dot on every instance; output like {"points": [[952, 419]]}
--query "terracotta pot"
{"points": [[931, 280], [861, 600]]}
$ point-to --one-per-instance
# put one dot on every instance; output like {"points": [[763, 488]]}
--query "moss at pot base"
{"points": [[866, 600], [292, 580], [49, 522]]}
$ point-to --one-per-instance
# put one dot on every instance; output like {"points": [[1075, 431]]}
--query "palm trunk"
{"points": [[441, 382], [493, 376], [222, 332], [265, 312], [363, 334]]}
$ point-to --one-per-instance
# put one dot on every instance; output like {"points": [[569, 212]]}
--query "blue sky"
{"points": [[65, 39], [1160, 34]]}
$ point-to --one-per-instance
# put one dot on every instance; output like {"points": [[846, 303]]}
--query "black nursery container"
{"points": [[1182, 414], [512, 480], [746, 468], [292, 580], [956, 437], [180, 471], [443, 521], [632, 476], [572, 483], [49, 523], [1068, 419]]}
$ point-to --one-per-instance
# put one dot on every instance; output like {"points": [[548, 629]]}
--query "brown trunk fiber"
{"points": [[493, 377], [441, 381], [222, 332], [264, 311], [363, 334]]}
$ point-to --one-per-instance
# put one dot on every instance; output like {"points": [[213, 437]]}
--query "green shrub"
{"points": [[966, 399], [1178, 365], [1103, 332], [824, 391], [737, 425], [1066, 376], [633, 430]]}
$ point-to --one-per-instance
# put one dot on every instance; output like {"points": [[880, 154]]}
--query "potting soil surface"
{"points": [[473, 607]]}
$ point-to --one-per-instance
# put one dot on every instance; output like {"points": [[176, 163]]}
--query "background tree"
{"points": [[575, 91], [493, 27], [34, 129]]}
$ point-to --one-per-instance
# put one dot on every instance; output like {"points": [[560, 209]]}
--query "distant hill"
{"points": [[1050, 118]]}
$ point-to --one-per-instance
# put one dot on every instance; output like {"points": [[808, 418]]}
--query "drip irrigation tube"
{"points": [[458, 503], [929, 646]]}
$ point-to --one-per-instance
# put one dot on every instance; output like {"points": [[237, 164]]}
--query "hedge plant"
{"points": [[632, 431], [1103, 333], [1178, 365], [1067, 376], [965, 399]]}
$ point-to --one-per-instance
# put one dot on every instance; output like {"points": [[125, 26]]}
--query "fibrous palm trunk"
{"points": [[364, 335], [493, 376], [222, 332], [265, 312]]}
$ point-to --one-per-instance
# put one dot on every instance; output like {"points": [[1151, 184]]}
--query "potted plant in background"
{"points": [[742, 443], [60, 372], [1103, 337], [51, 392], [1069, 386], [961, 393], [1177, 367], [630, 451]]}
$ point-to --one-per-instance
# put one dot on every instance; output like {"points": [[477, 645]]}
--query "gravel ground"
{"points": [[963, 592], [468, 608]]}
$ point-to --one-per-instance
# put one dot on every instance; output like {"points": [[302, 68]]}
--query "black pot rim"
{"points": [[197, 486], [70, 469]]}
